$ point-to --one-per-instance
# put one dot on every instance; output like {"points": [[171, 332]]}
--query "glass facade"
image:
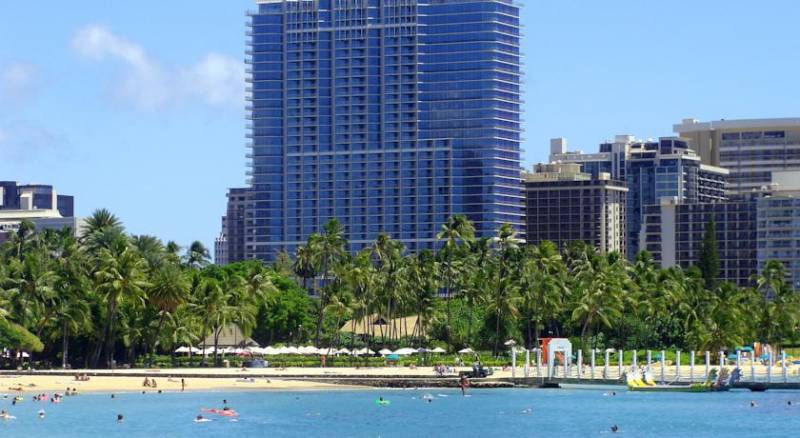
{"points": [[41, 198], [388, 115], [666, 169]]}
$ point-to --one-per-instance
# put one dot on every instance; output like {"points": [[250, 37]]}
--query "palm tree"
{"points": [[181, 329], [781, 307], [330, 249], [169, 289], [600, 283], [197, 256], [388, 257], [101, 229], [121, 276], [101, 219], [151, 249], [22, 239], [456, 232], [361, 278], [543, 287], [503, 302], [72, 291], [306, 265], [423, 281]]}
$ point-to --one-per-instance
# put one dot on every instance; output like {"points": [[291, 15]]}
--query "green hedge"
{"points": [[286, 361]]}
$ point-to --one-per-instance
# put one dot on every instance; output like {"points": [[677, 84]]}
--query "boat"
{"points": [[644, 383]]}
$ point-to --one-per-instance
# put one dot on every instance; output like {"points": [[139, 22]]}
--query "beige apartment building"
{"points": [[754, 150]]}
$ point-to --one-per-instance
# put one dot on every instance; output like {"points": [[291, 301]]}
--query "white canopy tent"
{"points": [[385, 352], [438, 350], [405, 351], [466, 351]]}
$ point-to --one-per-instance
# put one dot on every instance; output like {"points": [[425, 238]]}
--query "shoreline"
{"points": [[313, 379], [20, 383]]}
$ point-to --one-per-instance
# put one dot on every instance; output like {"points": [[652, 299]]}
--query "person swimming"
{"points": [[752, 404], [615, 428], [41, 413], [201, 419], [120, 418]]}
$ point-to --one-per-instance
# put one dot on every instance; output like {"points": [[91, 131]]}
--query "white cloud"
{"points": [[216, 80], [24, 141], [17, 81]]}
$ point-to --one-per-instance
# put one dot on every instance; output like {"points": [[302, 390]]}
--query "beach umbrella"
{"points": [[327, 351], [438, 350], [405, 351], [183, 350], [307, 350], [510, 343], [343, 351], [393, 357], [466, 351], [270, 351], [364, 352], [292, 350], [385, 352], [423, 350]]}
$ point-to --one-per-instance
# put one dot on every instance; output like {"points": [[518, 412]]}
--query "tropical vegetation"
{"points": [[108, 297]]}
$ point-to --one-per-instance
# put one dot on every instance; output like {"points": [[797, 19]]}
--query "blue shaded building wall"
{"points": [[42, 198], [388, 115]]}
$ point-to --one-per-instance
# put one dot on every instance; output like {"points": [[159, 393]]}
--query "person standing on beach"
{"points": [[183, 384]]}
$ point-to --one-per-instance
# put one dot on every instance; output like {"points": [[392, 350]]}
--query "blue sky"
{"points": [[136, 106]]}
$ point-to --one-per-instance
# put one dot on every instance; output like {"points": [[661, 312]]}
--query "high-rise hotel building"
{"points": [[388, 115], [754, 150]]}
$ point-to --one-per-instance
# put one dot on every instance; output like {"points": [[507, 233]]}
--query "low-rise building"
{"points": [[35, 203]]}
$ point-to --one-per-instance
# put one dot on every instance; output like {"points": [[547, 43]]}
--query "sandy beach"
{"points": [[34, 384], [210, 379]]}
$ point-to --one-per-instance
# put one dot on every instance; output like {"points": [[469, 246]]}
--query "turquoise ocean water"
{"points": [[486, 413]]}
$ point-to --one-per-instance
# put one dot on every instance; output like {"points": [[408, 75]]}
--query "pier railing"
{"points": [[687, 367]]}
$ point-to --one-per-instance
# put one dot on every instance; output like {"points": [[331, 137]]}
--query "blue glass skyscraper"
{"points": [[388, 115]]}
